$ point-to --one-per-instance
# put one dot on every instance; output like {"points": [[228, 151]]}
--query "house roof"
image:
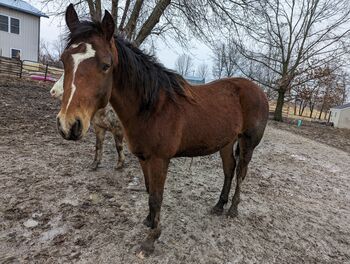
{"points": [[341, 106], [22, 6]]}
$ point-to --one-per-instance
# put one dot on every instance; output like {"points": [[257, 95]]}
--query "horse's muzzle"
{"points": [[75, 131]]}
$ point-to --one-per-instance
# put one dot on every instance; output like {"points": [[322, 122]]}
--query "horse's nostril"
{"points": [[76, 129], [78, 122]]}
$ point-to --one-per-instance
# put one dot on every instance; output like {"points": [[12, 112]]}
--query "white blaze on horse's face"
{"points": [[73, 122], [77, 59], [57, 89]]}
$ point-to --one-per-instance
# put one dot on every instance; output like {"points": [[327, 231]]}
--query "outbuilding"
{"points": [[340, 116], [19, 30]]}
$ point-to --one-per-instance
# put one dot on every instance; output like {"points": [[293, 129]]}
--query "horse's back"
{"points": [[241, 93], [231, 104]]}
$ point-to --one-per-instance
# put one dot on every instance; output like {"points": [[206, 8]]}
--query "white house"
{"points": [[19, 30], [340, 116]]}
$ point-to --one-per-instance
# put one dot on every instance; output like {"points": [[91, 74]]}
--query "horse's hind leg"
{"points": [[229, 165], [118, 138], [247, 143], [100, 136]]}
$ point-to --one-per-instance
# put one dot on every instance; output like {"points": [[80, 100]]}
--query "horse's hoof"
{"points": [[233, 213], [119, 166], [216, 211], [147, 222], [94, 166]]}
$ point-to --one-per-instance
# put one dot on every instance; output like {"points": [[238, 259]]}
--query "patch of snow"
{"points": [[30, 223], [52, 233]]}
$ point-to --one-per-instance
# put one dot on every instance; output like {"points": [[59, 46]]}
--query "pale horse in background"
{"points": [[104, 120]]}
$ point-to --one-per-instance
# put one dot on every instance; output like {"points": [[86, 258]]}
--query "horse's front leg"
{"points": [[145, 176], [156, 169]]}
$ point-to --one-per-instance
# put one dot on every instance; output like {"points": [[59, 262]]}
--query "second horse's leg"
{"points": [[118, 138], [100, 136]]}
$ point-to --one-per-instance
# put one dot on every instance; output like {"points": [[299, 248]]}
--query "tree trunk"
{"points": [[95, 9], [91, 9], [98, 10], [300, 107], [279, 107], [125, 12], [115, 13], [312, 105], [131, 25], [302, 110], [151, 21], [295, 106], [319, 117]]}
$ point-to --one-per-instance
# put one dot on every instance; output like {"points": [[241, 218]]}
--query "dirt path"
{"points": [[295, 200]]}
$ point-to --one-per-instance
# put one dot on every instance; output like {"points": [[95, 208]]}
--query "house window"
{"points": [[4, 23], [15, 54], [14, 25]]}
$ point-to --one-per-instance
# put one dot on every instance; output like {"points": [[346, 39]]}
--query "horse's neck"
{"points": [[125, 104]]}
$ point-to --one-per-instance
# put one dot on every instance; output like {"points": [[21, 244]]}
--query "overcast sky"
{"points": [[52, 27]]}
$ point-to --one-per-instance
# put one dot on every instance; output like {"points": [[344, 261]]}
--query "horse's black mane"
{"points": [[136, 69]]}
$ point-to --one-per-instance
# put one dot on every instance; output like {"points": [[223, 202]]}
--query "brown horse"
{"points": [[163, 116]]}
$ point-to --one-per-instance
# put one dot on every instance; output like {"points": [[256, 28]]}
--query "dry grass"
{"points": [[288, 112]]}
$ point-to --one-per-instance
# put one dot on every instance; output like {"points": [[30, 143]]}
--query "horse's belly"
{"points": [[195, 152], [203, 148]]}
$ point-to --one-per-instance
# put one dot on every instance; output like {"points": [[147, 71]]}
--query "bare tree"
{"points": [[47, 54], [227, 61], [184, 64], [322, 87], [58, 46], [281, 36], [218, 63], [136, 20], [203, 70]]}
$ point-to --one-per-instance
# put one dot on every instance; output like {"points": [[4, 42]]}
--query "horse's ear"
{"points": [[72, 19], [108, 25]]}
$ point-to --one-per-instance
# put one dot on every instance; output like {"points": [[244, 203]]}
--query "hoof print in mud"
{"points": [[145, 250]]}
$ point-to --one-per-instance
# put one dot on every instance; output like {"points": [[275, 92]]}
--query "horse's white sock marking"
{"points": [[77, 59]]}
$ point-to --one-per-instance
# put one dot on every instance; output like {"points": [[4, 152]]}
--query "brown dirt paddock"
{"points": [[295, 200]]}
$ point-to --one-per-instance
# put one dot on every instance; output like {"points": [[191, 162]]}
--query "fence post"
{"points": [[47, 67], [20, 72]]}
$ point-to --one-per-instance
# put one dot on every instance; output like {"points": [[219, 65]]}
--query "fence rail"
{"points": [[29, 69]]}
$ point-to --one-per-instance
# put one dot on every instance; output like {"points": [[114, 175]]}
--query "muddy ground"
{"points": [[295, 200]]}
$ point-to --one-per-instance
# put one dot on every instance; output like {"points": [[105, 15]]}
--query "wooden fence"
{"points": [[29, 69]]}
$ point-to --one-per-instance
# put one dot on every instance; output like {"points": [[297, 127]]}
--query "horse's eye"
{"points": [[105, 67]]}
